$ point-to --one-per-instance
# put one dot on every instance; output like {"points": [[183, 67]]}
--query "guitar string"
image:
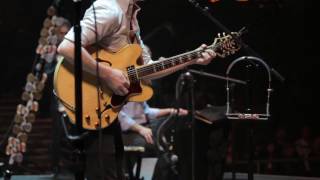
{"points": [[151, 67], [190, 55], [171, 60], [137, 74]]}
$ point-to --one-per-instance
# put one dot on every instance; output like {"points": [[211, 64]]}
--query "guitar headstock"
{"points": [[227, 44]]}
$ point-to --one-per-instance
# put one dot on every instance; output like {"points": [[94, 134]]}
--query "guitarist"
{"points": [[116, 26]]}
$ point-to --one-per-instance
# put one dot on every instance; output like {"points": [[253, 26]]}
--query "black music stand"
{"points": [[248, 114], [189, 83]]}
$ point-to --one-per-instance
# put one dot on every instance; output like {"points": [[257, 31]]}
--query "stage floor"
{"points": [[227, 176]]}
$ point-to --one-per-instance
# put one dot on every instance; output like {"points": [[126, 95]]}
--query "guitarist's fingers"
{"points": [[204, 60], [205, 56], [211, 53], [149, 139], [124, 91], [121, 91], [200, 61], [127, 82], [203, 46]]}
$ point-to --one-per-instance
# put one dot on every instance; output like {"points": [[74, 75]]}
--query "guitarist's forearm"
{"points": [[167, 71], [66, 49]]}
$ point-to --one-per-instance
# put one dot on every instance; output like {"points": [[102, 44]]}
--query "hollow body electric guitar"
{"points": [[125, 60]]}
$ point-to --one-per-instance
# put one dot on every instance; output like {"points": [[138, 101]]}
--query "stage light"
{"points": [[213, 1]]}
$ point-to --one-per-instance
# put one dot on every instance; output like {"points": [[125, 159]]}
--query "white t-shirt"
{"points": [[113, 26]]}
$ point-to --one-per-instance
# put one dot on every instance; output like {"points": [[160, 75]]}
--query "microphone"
{"points": [[173, 162], [174, 158]]}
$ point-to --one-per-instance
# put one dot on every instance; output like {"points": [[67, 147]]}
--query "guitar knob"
{"points": [[97, 125], [107, 118], [87, 119]]}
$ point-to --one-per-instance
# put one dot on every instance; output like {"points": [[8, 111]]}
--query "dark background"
{"points": [[169, 27], [277, 31]]}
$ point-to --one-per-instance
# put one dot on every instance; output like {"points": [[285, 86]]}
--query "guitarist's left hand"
{"points": [[207, 55]]}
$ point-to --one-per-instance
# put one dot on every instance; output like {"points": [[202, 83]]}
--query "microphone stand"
{"points": [[79, 173], [217, 76], [214, 76], [250, 51], [188, 77]]}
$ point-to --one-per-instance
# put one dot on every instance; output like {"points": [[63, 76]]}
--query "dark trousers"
{"points": [[210, 151], [131, 138], [104, 154]]}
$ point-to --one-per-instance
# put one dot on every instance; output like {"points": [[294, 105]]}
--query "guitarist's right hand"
{"points": [[117, 81]]}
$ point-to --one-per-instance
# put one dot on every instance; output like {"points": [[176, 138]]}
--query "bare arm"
{"points": [[168, 111], [143, 131], [206, 58]]}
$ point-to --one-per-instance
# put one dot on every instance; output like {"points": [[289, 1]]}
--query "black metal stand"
{"points": [[251, 154], [214, 76], [205, 11], [249, 111], [7, 174], [188, 77], [80, 158]]}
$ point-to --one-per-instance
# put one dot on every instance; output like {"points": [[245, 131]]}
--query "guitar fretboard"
{"points": [[171, 62]]}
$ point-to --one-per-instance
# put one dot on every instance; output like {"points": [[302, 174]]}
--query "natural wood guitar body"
{"points": [[110, 104]]}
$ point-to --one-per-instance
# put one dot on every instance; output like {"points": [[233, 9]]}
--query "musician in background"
{"points": [[136, 118], [139, 123]]}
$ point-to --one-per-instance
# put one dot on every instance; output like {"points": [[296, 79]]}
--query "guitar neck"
{"points": [[178, 60]]}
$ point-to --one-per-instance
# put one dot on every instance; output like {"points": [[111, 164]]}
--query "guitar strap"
{"points": [[134, 29]]}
